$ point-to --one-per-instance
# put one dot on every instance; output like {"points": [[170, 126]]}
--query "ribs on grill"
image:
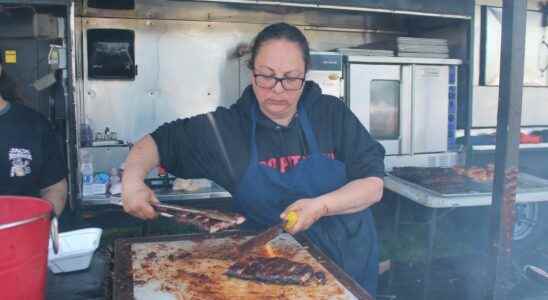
{"points": [[276, 270]]}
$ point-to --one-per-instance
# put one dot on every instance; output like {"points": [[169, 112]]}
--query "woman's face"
{"points": [[282, 59]]}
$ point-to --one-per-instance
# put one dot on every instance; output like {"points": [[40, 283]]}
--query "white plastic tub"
{"points": [[76, 249]]}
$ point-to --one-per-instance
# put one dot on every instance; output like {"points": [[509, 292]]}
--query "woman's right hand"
{"points": [[137, 198]]}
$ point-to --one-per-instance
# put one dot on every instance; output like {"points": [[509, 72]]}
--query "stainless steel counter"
{"points": [[214, 192]]}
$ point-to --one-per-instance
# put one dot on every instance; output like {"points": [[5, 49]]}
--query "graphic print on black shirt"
{"points": [[20, 162], [30, 156], [284, 163]]}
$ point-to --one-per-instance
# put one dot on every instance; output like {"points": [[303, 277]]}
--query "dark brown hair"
{"points": [[280, 31]]}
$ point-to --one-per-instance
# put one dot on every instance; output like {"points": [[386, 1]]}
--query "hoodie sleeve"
{"points": [[177, 147], [190, 148], [362, 154]]}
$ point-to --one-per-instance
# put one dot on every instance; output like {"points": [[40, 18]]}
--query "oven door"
{"points": [[430, 108], [382, 102]]}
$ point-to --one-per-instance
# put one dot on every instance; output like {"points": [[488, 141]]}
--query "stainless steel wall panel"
{"points": [[184, 68]]}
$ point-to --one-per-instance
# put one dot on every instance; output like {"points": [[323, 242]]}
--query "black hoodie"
{"points": [[217, 145]]}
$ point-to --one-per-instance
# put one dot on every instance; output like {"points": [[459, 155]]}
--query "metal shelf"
{"points": [[215, 192], [403, 60]]}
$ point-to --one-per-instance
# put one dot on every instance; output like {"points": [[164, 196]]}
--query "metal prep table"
{"points": [[530, 189]]}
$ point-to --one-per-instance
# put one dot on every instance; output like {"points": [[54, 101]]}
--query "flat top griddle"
{"points": [[193, 266]]}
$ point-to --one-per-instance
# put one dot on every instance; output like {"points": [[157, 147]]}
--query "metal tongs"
{"points": [[117, 200], [172, 211]]}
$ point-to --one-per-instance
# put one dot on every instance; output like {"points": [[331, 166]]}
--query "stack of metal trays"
{"points": [[403, 46], [422, 47], [365, 51]]}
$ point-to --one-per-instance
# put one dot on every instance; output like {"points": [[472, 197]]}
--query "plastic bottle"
{"points": [[115, 182], [86, 134], [114, 175], [86, 168]]}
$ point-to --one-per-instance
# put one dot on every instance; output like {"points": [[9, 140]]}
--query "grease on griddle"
{"points": [[196, 278], [225, 251], [180, 254], [320, 277], [151, 255], [167, 288]]}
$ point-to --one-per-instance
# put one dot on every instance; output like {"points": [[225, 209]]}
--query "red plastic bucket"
{"points": [[24, 235]]}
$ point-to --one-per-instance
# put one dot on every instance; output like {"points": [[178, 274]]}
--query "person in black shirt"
{"points": [[283, 147], [31, 163]]}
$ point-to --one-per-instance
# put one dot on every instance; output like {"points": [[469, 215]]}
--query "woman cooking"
{"points": [[284, 146]]}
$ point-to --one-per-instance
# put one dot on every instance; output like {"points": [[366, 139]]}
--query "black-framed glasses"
{"points": [[288, 83]]}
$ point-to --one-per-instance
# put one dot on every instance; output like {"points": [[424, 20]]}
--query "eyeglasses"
{"points": [[288, 83]]}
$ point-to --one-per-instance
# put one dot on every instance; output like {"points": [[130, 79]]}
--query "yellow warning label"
{"points": [[10, 57]]}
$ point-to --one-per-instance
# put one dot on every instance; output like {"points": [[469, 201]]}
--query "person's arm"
{"points": [[136, 195], [364, 160], [354, 196], [53, 172], [57, 195], [186, 148]]}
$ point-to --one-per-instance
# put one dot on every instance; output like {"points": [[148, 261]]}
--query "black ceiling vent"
{"points": [[111, 54], [110, 4]]}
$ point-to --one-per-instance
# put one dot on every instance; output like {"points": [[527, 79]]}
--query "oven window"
{"points": [[385, 109]]}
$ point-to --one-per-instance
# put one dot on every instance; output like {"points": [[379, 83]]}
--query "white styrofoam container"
{"points": [[76, 249]]}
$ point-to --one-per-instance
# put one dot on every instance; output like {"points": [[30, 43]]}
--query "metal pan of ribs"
{"points": [[453, 180], [276, 270], [205, 219]]}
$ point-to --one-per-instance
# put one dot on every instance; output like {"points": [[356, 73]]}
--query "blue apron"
{"points": [[263, 193]]}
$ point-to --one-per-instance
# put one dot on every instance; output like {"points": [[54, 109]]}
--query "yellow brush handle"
{"points": [[291, 220]]}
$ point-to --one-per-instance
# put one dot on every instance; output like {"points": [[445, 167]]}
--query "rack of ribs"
{"points": [[205, 219], [277, 270]]}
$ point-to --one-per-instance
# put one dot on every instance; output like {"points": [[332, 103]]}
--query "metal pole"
{"points": [[507, 151], [469, 73], [70, 112]]}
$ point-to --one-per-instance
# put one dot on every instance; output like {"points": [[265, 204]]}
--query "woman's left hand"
{"points": [[309, 210]]}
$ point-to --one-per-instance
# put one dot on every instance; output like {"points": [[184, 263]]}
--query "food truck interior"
{"points": [[422, 76]]}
